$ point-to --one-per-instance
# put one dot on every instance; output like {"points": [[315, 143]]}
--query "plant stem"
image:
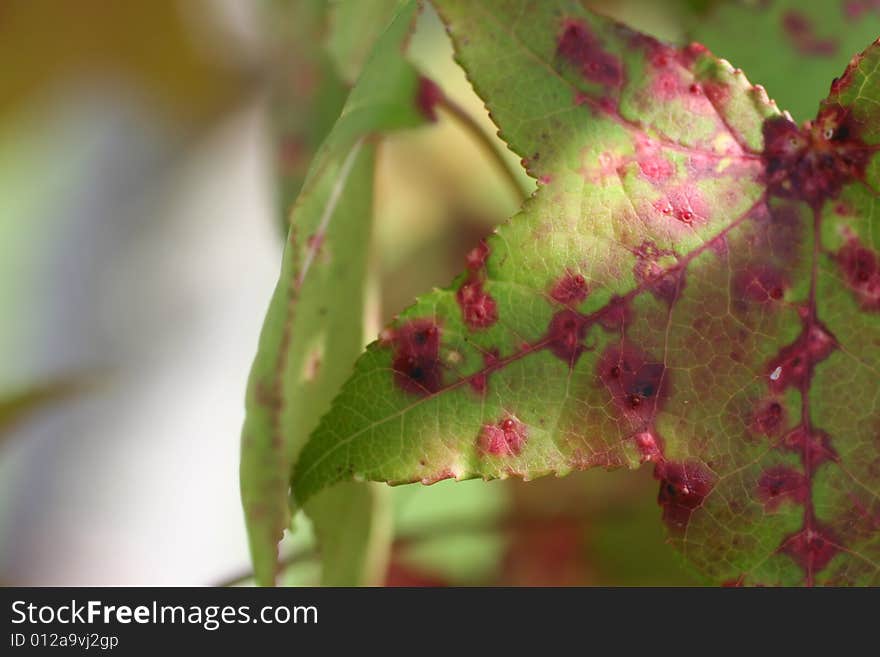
{"points": [[513, 181]]}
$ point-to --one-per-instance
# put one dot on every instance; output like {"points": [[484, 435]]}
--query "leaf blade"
{"points": [[319, 296]]}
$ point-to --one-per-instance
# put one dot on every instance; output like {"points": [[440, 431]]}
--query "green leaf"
{"points": [[352, 524], [307, 92], [694, 285], [314, 325], [792, 47], [355, 25]]}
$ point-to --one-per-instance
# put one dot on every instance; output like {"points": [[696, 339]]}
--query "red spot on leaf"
{"points": [[793, 366], [427, 97], [565, 335], [506, 438], [570, 289], [476, 257], [813, 163], [811, 548], [782, 483], [416, 361], [478, 308], [649, 446], [718, 93], [762, 284], [861, 272], [653, 164], [691, 53], [814, 447], [769, 418], [635, 380], [616, 314], [580, 47], [480, 381], [683, 487]]}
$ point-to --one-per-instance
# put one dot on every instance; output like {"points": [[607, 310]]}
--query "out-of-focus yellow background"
{"points": [[139, 245]]}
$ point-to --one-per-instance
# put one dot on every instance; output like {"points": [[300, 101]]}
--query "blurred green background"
{"points": [[140, 150]]}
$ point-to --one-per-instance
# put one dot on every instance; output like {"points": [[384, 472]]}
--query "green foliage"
{"points": [[314, 325], [792, 48]]}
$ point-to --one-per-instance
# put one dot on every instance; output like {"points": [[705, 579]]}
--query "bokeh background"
{"points": [[145, 153]]}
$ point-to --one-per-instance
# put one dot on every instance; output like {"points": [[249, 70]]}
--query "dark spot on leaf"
{"points": [[570, 289], [862, 273], [580, 47], [683, 487], [762, 285], [616, 314], [782, 483], [812, 547], [416, 360], [793, 366], [635, 381], [813, 163], [814, 447], [769, 418], [565, 335]]}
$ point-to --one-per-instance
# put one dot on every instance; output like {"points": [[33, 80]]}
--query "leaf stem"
{"points": [[510, 176]]}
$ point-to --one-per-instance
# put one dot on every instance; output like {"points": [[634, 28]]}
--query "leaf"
{"points": [[353, 529], [694, 285], [313, 329], [307, 92], [354, 27], [792, 47]]}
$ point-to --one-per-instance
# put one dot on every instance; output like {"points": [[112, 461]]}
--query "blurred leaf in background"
{"points": [[792, 48]]}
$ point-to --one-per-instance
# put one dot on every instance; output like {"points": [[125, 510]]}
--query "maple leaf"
{"points": [[694, 285]]}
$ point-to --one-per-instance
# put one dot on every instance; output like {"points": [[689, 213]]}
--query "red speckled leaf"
{"points": [[694, 286]]}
